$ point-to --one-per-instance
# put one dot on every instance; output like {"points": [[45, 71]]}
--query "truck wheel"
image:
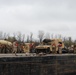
{"points": [[36, 51], [48, 50]]}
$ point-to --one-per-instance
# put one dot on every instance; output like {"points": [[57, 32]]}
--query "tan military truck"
{"points": [[49, 46], [5, 46], [5, 42]]}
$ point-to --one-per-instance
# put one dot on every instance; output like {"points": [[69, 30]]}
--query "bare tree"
{"points": [[4, 36], [52, 36], [19, 35], [70, 41], [23, 37], [14, 35], [59, 36], [31, 35], [56, 36], [28, 39], [40, 35], [1, 34], [47, 36], [8, 35], [74, 41]]}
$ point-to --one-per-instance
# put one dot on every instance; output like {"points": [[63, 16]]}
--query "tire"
{"points": [[36, 51], [48, 50]]}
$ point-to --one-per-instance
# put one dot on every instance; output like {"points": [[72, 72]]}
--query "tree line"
{"points": [[41, 35]]}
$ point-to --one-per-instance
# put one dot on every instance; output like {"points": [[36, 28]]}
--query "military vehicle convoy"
{"points": [[46, 46], [49, 46]]}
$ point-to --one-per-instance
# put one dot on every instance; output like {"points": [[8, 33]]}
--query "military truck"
{"points": [[5, 46], [49, 46], [5, 42]]}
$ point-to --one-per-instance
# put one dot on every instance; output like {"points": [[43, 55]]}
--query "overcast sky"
{"points": [[52, 16]]}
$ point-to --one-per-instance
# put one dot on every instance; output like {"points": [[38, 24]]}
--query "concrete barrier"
{"points": [[52, 64]]}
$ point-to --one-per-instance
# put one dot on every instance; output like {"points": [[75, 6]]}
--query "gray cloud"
{"points": [[55, 16]]}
